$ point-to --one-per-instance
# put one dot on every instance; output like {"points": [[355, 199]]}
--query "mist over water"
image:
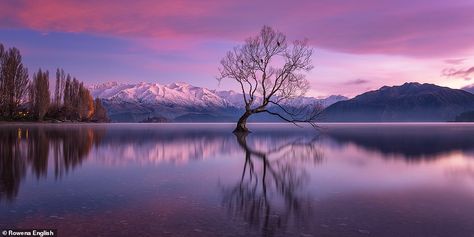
{"points": [[202, 180]]}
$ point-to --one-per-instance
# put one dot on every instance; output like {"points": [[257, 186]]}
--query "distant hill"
{"points": [[155, 120], [410, 102], [182, 102], [202, 118], [467, 116]]}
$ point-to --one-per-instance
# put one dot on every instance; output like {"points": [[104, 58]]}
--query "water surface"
{"points": [[202, 180]]}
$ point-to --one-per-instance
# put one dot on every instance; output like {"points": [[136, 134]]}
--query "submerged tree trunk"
{"points": [[242, 123]]}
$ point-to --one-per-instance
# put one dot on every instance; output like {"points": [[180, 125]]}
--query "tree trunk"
{"points": [[242, 123]]}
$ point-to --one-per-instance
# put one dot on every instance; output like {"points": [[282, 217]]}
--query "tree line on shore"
{"points": [[31, 100]]}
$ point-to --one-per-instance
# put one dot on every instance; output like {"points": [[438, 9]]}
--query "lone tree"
{"points": [[271, 72]]}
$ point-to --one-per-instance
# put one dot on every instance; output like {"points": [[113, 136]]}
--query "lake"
{"points": [[202, 180]]}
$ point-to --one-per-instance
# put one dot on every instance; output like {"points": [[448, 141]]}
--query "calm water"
{"points": [[201, 180]]}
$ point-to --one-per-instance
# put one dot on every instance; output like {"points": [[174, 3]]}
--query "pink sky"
{"points": [[360, 44]]}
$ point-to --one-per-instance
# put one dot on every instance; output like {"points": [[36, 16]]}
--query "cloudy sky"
{"points": [[359, 44]]}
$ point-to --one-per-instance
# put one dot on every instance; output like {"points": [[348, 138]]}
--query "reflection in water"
{"points": [[32, 147], [29, 147], [279, 175], [146, 146], [410, 141], [377, 180], [70, 147], [12, 164]]}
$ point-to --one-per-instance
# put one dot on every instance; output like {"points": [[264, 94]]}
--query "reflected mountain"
{"points": [[146, 144], [270, 195], [412, 142], [280, 180], [34, 147], [181, 143]]}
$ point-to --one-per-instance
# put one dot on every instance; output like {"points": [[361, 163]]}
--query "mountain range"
{"points": [[181, 102], [410, 102]]}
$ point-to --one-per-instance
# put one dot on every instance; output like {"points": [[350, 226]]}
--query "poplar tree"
{"points": [[13, 80], [39, 94]]}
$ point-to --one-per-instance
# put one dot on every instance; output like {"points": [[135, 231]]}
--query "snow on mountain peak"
{"points": [[155, 93], [181, 93]]}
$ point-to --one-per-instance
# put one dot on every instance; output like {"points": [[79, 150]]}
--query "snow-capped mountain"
{"points": [[134, 102], [153, 93]]}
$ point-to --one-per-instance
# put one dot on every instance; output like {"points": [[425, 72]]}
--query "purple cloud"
{"points": [[469, 88], [458, 73], [357, 81], [419, 28], [455, 61]]}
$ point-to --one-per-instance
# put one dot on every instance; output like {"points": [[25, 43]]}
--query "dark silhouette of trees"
{"points": [[78, 102], [67, 96], [74, 93], [3, 95], [39, 94], [100, 114], [59, 88], [13, 82], [86, 103], [270, 72], [71, 99]]}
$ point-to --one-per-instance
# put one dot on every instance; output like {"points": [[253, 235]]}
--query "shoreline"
{"points": [[322, 123]]}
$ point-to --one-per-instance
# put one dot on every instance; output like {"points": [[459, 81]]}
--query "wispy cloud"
{"points": [[420, 28], [455, 61], [357, 81], [458, 73]]}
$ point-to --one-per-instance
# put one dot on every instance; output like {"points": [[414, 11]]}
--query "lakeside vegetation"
{"points": [[22, 99]]}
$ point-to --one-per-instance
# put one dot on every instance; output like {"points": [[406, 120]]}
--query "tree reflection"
{"points": [[270, 194], [37, 151], [12, 165], [70, 150], [28, 148]]}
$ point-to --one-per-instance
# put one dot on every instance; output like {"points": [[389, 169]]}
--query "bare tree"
{"points": [[14, 81], [71, 100], [59, 89], [67, 97], [271, 72], [2, 50], [75, 99], [39, 94], [3, 95]]}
